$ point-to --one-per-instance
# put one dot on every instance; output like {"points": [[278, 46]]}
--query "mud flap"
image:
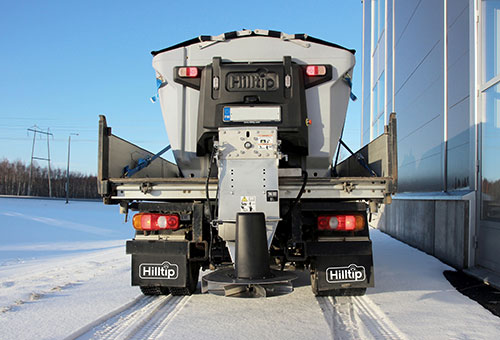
{"points": [[341, 265], [341, 272], [159, 263]]}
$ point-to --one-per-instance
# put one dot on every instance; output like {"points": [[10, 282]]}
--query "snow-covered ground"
{"points": [[64, 274]]}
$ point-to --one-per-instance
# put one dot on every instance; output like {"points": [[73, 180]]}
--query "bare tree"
{"points": [[14, 178]]}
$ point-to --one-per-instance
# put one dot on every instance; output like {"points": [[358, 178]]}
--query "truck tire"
{"points": [[314, 283], [334, 292], [192, 281], [345, 292], [148, 290]]}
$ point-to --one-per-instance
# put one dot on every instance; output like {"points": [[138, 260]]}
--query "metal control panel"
{"points": [[248, 176]]}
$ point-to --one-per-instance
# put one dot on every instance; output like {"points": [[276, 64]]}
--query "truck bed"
{"points": [[162, 181]]}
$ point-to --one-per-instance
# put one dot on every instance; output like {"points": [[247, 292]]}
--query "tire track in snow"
{"points": [[144, 318], [357, 317], [161, 320]]}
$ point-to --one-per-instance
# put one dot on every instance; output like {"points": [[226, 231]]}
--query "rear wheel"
{"points": [[148, 290], [192, 281], [314, 283], [346, 292]]}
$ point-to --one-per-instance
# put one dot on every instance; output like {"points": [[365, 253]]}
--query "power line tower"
{"points": [[47, 133]]}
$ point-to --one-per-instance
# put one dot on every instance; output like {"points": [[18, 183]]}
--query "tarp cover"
{"points": [[248, 33]]}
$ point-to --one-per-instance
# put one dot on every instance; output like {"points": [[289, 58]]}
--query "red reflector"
{"points": [[337, 222], [173, 222], [145, 221], [315, 70], [188, 72], [323, 222]]}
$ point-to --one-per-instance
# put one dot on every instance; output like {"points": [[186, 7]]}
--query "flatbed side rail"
{"points": [[103, 157], [115, 155], [347, 188], [381, 155]]}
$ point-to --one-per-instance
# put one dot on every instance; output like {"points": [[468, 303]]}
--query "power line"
{"points": [[36, 130], [27, 118], [55, 139]]}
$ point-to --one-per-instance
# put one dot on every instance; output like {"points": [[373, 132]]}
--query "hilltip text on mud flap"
{"points": [[165, 270], [351, 273]]}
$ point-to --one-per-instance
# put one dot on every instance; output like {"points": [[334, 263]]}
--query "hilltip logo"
{"points": [[252, 81], [351, 273], [163, 271]]}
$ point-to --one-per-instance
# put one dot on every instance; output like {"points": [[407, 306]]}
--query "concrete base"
{"points": [[437, 227]]}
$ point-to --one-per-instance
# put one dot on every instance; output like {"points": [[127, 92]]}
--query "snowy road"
{"points": [[357, 317], [150, 318], [78, 288], [145, 318]]}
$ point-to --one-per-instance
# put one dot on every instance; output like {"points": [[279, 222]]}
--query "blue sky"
{"points": [[62, 63]]}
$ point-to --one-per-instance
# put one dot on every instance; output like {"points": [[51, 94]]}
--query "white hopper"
{"points": [[326, 103]]}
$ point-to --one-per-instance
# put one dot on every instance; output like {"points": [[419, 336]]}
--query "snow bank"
{"points": [[33, 228], [413, 293]]}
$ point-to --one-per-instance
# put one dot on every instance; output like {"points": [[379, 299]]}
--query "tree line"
{"points": [[15, 180]]}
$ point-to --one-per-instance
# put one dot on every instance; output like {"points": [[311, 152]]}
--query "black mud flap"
{"points": [[159, 263], [352, 269]]}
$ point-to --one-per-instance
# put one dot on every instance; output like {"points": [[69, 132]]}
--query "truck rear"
{"points": [[254, 120]]}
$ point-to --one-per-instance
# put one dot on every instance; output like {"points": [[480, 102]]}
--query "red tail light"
{"points": [[147, 222], [315, 70], [341, 222], [188, 72]]}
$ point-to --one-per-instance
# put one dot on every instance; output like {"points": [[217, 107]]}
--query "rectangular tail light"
{"points": [[315, 70], [188, 72], [341, 222], [150, 222]]}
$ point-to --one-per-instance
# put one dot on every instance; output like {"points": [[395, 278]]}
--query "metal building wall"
{"points": [[419, 94], [460, 158], [429, 152], [428, 56], [366, 67]]}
